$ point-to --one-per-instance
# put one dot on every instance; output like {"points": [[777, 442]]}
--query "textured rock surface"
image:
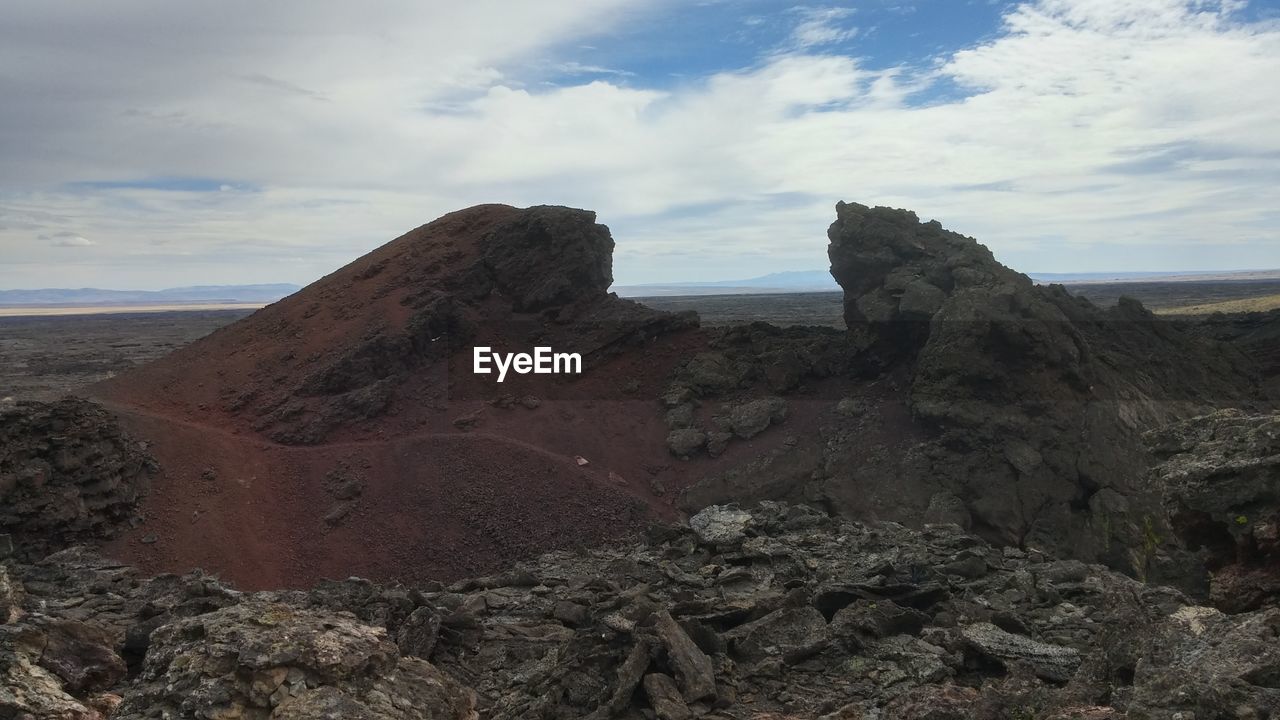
{"points": [[791, 615], [1201, 663], [1050, 662], [68, 473], [719, 525], [1218, 477], [11, 596], [259, 659], [1033, 401], [28, 690]]}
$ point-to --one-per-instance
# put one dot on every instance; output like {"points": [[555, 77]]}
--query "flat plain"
{"points": [[43, 357]]}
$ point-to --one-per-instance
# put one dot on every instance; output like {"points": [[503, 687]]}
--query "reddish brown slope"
{"points": [[366, 375]]}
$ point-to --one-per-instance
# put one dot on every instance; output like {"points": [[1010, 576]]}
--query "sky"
{"points": [[148, 144]]}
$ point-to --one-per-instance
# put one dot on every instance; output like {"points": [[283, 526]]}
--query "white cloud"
{"points": [[1093, 134], [67, 240], [822, 26]]}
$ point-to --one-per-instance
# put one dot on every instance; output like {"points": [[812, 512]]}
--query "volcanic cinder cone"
{"points": [[341, 430]]}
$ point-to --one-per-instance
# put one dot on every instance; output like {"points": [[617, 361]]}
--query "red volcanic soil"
{"points": [[341, 431]]}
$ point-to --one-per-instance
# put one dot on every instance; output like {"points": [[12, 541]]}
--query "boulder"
{"points": [[693, 668], [783, 634], [418, 634], [665, 697], [1050, 662], [720, 525], [258, 658], [751, 418], [864, 621], [686, 442]]}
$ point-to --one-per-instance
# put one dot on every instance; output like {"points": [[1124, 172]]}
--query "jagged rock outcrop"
{"points": [[1218, 478], [68, 473], [1033, 401]]}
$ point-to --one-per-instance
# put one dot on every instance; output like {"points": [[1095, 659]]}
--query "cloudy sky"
{"points": [[151, 143]]}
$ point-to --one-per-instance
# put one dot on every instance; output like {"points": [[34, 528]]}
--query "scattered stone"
{"points": [[419, 633], [665, 697], [718, 442], [629, 675], [676, 396], [337, 513], [787, 633], [571, 613], [946, 508], [694, 669], [865, 621], [720, 525], [1051, 662], [751, 418], [680, 416], [685, 442]]}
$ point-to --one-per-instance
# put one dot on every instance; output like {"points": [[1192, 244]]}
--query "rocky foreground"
{"points": [[774, 612]]}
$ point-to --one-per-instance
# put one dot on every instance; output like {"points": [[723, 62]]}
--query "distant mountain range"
{"points": [[199, 294], [779, 282], [821, 281], [796, 281], [1175, 276]]}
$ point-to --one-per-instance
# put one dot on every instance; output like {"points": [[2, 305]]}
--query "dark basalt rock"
{"points": [[549, 256], [1218, 478], [1033, 401], [68, 473], [773, 611], [257, 658]]}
